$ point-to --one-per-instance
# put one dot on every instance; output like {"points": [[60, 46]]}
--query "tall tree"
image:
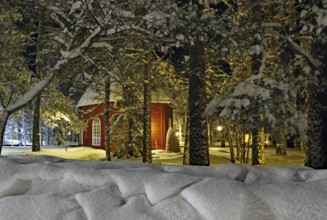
{"points": [[199, 149], [147, 155], [205, 21], [263, 85], [257, 62], [107, 117], [186, 154], [313, 22], [36, 142], [15, 92]]}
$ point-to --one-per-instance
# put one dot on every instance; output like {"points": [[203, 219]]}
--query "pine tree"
{"points": [[36, 142], [263, 85], [147, 155], [312, 23]]}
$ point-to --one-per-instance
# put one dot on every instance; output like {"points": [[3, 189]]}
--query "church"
{"points": [[91, 110]]}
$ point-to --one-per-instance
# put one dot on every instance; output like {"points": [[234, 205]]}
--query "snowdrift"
{"points": [[46, 187]]}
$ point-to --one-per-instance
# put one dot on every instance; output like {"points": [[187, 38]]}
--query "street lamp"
{"points": [[220, 128]]}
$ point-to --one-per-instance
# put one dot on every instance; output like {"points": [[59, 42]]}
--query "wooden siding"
{"points": [[91, 112], [160, 115]]}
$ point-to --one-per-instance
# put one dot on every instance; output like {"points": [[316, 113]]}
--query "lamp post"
{"points": [[220, 128]]}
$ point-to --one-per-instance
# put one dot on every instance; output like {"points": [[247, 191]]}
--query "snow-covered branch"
{"points": [[102, 69], [76, 52], [314, 62], [31, 94]]}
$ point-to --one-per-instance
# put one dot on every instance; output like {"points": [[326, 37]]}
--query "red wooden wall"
{"points": [[91, 112], [160, 115]]}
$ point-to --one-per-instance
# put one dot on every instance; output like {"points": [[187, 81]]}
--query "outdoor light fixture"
{"points": [[220, 128], [246, 138]]}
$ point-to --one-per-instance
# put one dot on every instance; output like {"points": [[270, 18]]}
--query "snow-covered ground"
{"points": [[47, 187], [77, 153], [217, 155]]}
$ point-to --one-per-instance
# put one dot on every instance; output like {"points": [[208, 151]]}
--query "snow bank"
{"points": [[46, 187]]}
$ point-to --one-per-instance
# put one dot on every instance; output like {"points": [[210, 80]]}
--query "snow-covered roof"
{"points": [[91, 97], [158, 95]]}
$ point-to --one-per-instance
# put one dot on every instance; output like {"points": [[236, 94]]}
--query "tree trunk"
{"points": [[48, 135], [230, 143], [238, 144], [37, 102], [107, 118], [210, 141], [199, 150], [186, 155], [317, 114], [3, 121], [21, 102], [258, 156], [19, 130], [317, 138], [147, 154], [257, 144], [279, 141], [130, 138], [36, 125]]}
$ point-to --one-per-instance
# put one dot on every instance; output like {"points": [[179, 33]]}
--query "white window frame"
{"points": [[96, 132]]}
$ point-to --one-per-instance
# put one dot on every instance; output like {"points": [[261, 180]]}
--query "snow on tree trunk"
{"points": [[107, 118], [199, 150], [37, 102], [147, 154], [258, 157]]}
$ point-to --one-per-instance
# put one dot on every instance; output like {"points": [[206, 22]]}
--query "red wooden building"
{"points": [[93, 109]]}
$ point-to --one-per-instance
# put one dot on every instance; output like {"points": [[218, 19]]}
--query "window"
{"points": [[96, 132]]}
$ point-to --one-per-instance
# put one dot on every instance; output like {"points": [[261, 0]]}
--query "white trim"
{"points": [[96, 132]]}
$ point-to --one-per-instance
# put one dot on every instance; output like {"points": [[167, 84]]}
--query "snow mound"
{"points": [[45, 187]]}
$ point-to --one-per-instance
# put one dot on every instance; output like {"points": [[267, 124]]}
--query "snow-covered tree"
{"points": [[313, 22], [192, 24], [265, 96], [15, 76]]}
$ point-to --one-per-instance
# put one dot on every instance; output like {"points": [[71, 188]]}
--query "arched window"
{"points": [[96, 132]]}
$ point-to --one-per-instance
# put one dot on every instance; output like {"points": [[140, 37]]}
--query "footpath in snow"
{"points": [[46, 187]]}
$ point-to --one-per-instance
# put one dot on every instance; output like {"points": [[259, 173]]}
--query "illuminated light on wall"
{"points": [[246, 138]]}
